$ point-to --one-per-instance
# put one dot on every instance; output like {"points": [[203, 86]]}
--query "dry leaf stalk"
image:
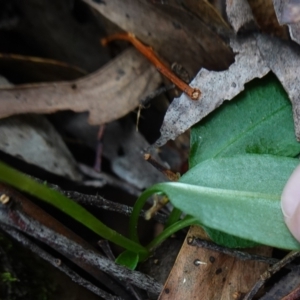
{"points": [[148, 52]]}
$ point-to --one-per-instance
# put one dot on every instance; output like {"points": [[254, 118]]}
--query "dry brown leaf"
{"points": [[174, 33], [207, 13], [107, 94], [200, 273], [264, 13]]}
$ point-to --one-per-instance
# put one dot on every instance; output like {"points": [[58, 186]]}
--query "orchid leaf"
{"points": [[238, 195]]}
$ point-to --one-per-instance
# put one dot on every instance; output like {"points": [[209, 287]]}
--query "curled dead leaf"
{"points": [[107, 94]]}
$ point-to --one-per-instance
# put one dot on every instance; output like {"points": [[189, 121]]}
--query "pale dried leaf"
{"points": [[130, 164], [216, 87], [288, 12], [33, 139], [107, 94]]}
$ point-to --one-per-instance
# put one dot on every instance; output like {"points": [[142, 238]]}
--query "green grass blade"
{"points": [[24, 183]]}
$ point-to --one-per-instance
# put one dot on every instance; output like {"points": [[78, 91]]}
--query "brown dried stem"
{"points": [[148, 52], [168, 173]]}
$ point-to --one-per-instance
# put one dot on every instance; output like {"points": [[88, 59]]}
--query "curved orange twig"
{"points": [[148, 52]]}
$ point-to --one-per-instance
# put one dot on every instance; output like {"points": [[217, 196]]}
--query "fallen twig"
{"points": [[193, 241], [107, 179], [102, 203], [54, 262], [82, 256], [272, 270], [148, 52]]}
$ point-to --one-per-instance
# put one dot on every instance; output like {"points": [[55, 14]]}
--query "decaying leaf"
{"points": [[265, 16], [107, 94], [215, 87], [34, 139], [201, 273], [256, 56], [180, 37]]}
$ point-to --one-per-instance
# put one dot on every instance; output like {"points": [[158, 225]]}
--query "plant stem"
{"points": [[148, 52], [187, 221], [174, 217]]}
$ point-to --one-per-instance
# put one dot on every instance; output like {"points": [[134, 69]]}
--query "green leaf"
{"points": [[41, 191], [237, 195], [128, 259], [259, 120]]}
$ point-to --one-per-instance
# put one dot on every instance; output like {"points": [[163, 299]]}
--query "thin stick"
{"points": [[168, 173], [267, 274], [102, 203], [99, 148], [107, 179], [104, 245], [77, 253], [21, 238], [148, 52], [146, 100], [192, 241]]}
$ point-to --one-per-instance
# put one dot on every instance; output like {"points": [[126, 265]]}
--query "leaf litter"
{"points": [[258, 60], [256, 55], [33, 139], [126, 79]]}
